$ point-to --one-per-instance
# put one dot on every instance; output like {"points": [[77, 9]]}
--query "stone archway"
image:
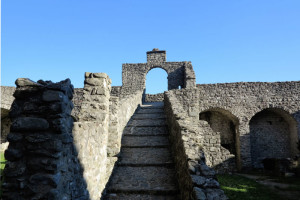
{"points": [[226, 125], [273, 135], [180, 74]]}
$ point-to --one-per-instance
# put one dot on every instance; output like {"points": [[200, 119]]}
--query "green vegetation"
{"points": [[238, 187], [2, 165]]}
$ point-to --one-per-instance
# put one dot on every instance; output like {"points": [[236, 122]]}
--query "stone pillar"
{"points": [[245, 144], [91, 131], [189, 76], [41, 159]]}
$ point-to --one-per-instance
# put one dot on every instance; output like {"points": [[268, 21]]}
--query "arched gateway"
{"points": [[180, 74]]}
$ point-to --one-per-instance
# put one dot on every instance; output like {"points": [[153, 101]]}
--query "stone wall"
{"points": [[154, 97], [91, 131], [240, 102], [196, 179], [42, 162]]}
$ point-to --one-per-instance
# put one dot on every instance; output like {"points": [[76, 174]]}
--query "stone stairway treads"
{"points": [[146, 156], [149, 141], [150, 179], [145, 168], [147, 122], [145, 131], [150, 110], [149, 116]]}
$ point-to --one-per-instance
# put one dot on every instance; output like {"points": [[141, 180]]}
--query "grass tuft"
{"points": [[238, 187]]}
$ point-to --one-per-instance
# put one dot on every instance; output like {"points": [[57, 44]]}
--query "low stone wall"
{"points": [[154, 97], [41, 159], [196, 179]]}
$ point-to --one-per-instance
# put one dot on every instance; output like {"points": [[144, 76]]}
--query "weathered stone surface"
{"points": [[199, 193], [211, 183], [149, 116], [45, 179], [148, 141], [145, 130], [198, 180], [147, 123], [114, 196], [15, 137], [42, 162], [213, 194], [29, 124], [152, 179], [52, 95], [154, 156], [13, 154], [20, 82]]}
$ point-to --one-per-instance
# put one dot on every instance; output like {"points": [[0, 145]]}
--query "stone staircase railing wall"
{"points": [[196, 179], [122, 107], [42, 161]]}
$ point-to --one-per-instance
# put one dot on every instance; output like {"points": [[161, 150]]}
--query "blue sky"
{"points": [[227, 41]]}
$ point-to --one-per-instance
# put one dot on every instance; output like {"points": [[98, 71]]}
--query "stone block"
{"points": [[199, 194], [53, 95], [198, 180], [29, 124], [21, 82]]}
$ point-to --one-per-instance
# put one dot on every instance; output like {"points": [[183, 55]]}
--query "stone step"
{"points": [[147, 122], [151, 110], [147, 141], [145, 131], [144, 180], [153, 105], [149, 116], [145, 157], [121, 196]]}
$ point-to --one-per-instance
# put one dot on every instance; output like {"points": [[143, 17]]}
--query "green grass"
{"points": [[2, 165], [237, 187]]}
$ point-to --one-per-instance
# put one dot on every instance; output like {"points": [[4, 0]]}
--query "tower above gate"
{"points": [[156, 56]]}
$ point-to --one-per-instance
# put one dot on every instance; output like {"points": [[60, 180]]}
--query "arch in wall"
{"points": [[156, 71], [227, 125], [273, 135], [5, 124], [134, 75]]}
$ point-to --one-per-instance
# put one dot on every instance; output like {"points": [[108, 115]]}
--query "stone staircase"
{"points": [[145, 169]]}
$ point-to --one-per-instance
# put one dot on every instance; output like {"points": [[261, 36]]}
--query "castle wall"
{"points": [[42, 162], [242, 100]]}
